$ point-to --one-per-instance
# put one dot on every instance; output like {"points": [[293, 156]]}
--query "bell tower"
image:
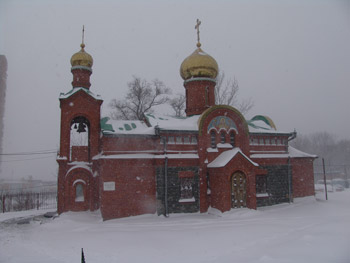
{"points": [[79, 139], [199, 71]]}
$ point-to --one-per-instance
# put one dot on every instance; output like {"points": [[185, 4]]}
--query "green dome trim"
{"points": [[263, 118]]}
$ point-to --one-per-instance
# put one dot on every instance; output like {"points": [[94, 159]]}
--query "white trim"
{"points": [[78, 181], [82, 165]]}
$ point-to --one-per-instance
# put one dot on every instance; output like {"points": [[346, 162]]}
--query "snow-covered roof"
{"points": [[110, 126], [174, 123], [170, 123], [163, 122], [226, 156], [292, 153], [75, 90]]}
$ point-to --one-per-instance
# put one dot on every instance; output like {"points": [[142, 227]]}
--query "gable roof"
{"points": [[225, 157], [75, 90]]}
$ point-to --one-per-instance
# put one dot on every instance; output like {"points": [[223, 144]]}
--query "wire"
{"points": [[30, 153], [20, 160]]}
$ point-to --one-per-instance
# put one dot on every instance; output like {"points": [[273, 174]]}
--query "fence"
{"points": [[28, 201]]}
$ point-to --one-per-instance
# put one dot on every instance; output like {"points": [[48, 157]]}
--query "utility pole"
{"points": [[324, 179]]}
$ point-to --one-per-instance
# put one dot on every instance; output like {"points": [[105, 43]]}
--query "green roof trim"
{"points": [[265, 119], [106, 126], [127, 127]]}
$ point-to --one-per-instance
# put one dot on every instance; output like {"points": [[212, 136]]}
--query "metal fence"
{"points": [[27, 201]]}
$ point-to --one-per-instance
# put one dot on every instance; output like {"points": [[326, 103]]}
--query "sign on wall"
{"points": [[108, 186]]}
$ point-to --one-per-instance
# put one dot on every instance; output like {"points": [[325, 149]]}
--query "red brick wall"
{"points": [[135, 188], [196, 101], [303, 177], [80, 154], [127, 144], [81, 78], [80, 104]]}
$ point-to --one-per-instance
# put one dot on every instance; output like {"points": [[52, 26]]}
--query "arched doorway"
{"points": [[238, 190]]}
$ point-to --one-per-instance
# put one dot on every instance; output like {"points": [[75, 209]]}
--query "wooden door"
{"points": [[238, 190]]}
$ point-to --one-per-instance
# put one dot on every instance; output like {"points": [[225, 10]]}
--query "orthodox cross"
{"points": [[197, 27], [82, 39]]}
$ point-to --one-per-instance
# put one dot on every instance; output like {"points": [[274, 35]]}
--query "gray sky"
{"points": [[291, 57]]}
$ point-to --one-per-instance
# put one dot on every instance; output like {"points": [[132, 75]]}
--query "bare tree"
{"points": [[178, 105], [226, 93], [142, 96]]}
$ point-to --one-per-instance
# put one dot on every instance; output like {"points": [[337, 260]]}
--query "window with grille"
{"points": [[178, 140], [213, 139], [186, 139], [232, 139], [79, 193], [261, 183], [222, 137], [171, 140], [186, 188], [194, 140]]}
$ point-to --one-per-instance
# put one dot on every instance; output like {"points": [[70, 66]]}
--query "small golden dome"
{"points": [[199, 64], [82, 58]]}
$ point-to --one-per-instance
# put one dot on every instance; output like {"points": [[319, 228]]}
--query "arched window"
{"points": [[79, 132], [213, 139], [232, 139], [79, 193], [222, 137]]}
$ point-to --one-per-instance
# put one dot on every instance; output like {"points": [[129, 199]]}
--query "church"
{"points": [[213, 157]]}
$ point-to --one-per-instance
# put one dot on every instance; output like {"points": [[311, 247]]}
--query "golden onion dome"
{"points": [[199, 64], [82, 58]]}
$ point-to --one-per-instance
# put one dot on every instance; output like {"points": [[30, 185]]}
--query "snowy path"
{"points": [[305, 231]]}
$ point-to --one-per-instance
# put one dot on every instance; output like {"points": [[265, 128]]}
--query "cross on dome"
{"points": [[82, 39], [197, 27]]}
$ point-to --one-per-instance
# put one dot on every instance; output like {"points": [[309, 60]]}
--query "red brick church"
{"points": [[213, 157]]}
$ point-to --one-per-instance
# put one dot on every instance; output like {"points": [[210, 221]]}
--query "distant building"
{"points": [[3, 77], [212, 157]]}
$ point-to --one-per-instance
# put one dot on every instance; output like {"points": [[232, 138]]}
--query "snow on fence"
{"points": [[28, 201]]}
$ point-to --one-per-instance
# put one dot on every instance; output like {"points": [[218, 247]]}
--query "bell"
{"points": [[81, 127]]}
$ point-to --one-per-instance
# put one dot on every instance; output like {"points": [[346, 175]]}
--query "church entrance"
{"points": [[238, 190]]}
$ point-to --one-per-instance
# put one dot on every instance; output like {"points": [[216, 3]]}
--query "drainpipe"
{"points": [[289, 182], [165, 179], [166, 187]]}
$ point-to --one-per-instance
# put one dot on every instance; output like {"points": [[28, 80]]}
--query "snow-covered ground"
{"points": [[309, 230]]}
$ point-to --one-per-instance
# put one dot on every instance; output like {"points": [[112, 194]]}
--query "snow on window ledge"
{"points": [[187, 200], [79, 199], [224, 145], [262, 195], [212, 150]]}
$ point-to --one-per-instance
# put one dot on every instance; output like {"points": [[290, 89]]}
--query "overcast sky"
{"points": [[291, 57]]}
